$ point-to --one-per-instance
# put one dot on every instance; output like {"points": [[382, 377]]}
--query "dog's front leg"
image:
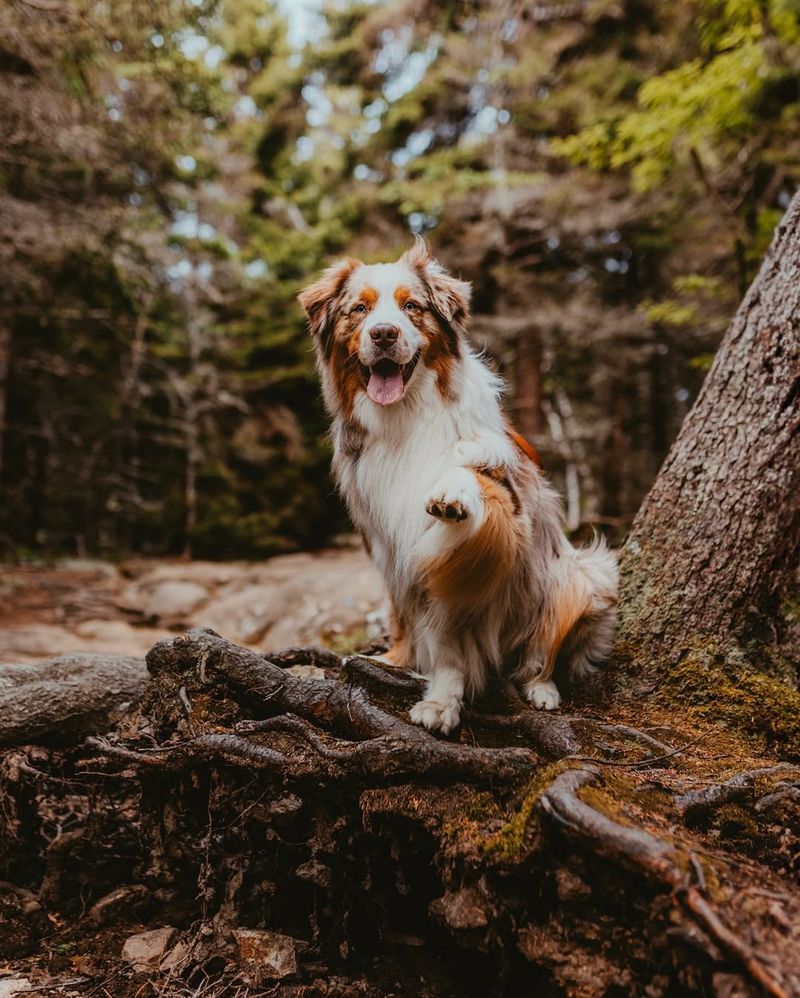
{"points": [[440, 710]]}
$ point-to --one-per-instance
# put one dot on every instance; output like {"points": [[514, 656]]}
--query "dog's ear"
{"points": [[449, 296], [319, 299]]}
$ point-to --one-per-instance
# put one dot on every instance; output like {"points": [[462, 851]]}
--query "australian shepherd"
{"points": [[450, 501]]}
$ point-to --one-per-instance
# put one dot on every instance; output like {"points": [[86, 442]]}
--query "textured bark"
{"points": [[5, 351], [712, 542], [66, 698]]}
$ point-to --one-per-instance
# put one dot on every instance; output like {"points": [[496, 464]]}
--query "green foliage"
{"points": [[175, 173]]}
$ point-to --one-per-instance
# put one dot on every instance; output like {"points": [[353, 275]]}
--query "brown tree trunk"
{"points": [[5, 357], [712, 543], [528, 408]]}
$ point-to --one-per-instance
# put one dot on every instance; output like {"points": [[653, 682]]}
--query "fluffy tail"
{"points": [[590, 639]]}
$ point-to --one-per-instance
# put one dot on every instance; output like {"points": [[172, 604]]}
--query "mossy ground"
{"points": [[725, 689]]}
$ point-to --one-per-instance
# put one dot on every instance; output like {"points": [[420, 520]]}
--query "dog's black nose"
{"points": [[384, 334]]}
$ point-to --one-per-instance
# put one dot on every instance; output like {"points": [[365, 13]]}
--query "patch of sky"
{"points": [[508, 30], [364, 172], [214, 56], [303, 149], [256, 269], [416, 144], [419, 222], [319, 105], [141, 177], [186, 163], [245, 107], [187, 225], [305, 22], [191, 44], [180, 270], [403, 68]]}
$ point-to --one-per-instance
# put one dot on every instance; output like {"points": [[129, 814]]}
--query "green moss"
{"points": [[727, 690], [347, 642], [735, 822], [511, 843]]}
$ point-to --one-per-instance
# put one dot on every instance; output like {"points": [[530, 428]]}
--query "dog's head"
{"points": [[375, 326]]}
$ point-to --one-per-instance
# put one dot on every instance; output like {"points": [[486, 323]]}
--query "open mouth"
{"points": [[386, 380]]}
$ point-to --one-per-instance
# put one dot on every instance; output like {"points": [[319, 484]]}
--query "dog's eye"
{"points": [[410, 306], [359, 308]]}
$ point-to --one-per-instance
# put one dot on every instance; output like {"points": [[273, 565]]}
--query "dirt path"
{"points": [[333, 597]]}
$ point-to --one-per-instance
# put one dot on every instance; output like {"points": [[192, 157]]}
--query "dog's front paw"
{"points": [[448, 508], [543, 694], [457, 497], [436, 716]]}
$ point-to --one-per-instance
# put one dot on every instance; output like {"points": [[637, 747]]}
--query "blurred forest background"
{"points": [[607, 173]]}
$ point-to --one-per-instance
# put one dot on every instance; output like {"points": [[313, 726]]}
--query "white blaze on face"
{"points": [[378, 285]]}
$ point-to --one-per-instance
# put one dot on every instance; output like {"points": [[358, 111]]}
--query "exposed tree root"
{"points": [[242, 794], [655, 858]]}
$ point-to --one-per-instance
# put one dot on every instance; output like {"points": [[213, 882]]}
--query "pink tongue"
{"points": [[385, 388]]}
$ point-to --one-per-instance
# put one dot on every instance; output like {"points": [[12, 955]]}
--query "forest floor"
{"points": [[331, 597], [244, 831]]}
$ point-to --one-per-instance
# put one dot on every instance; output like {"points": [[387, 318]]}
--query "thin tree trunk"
{"points": [[528, 408], [712, 542], [5, 358]]}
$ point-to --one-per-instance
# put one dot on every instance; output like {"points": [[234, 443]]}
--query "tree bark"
{"points": [[711, 545], [66, 698], [5, 359]]}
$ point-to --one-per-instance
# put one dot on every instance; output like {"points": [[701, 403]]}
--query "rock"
{"points": [[15, 986], [265, 955], [172, 601], [464, 909], [176, 958], [315, 873], [306, 672], [246, 613], [145, 950]]}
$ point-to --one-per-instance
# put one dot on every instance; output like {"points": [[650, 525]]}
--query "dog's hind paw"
{"points": [[543, 694], [436, 716]]}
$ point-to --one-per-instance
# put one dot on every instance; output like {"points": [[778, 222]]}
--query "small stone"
{"points": [[266, 955], [15, 986], [283, 809], [176, 958], [312, 672], [145, 950], [315, 873], [462, 909]]}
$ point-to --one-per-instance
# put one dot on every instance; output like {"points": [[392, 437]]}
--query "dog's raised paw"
{"points": [[543, 694], [436, 716], [445, 508]]}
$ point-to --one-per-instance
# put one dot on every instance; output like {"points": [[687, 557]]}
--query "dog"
{"points": [[450, 501]]}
